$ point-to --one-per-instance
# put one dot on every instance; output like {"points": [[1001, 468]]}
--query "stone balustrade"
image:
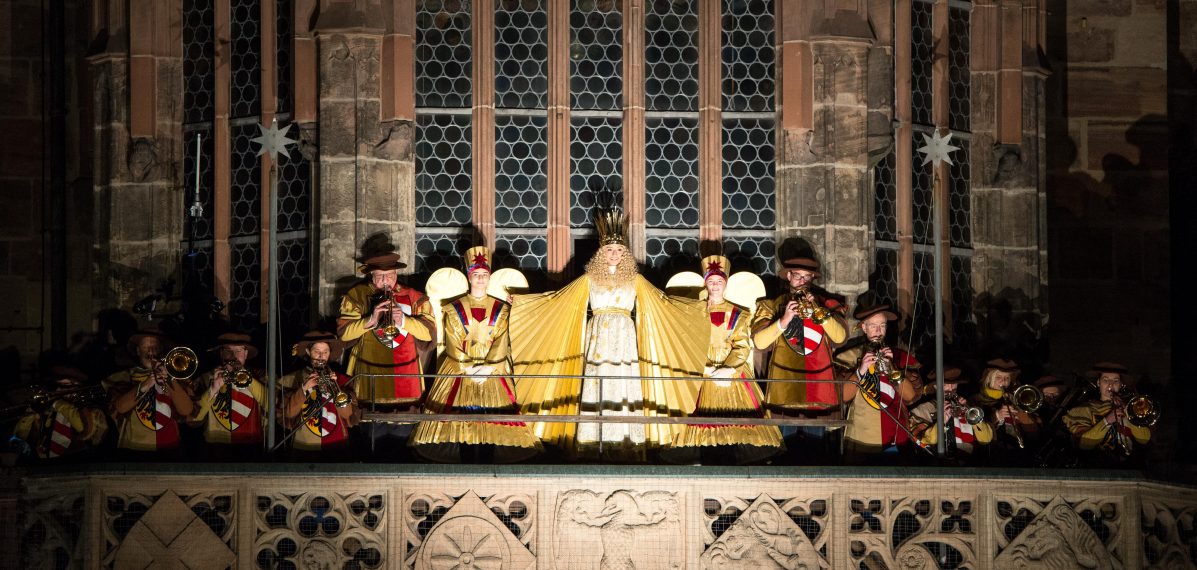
{"points": [[601, 517]]}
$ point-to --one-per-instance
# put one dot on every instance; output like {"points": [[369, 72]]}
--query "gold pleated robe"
{"points": [[475, 334], [550, 337], [739, 396]]}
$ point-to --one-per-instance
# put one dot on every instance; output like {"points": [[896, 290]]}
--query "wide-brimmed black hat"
{"points": [[383, 262], [807, 263], [235, 339], [335, 345]]}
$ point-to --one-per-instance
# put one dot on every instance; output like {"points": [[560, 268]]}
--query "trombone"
{"points": [[1027, 399]]}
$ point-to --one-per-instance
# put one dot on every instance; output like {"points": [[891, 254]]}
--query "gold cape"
{"points": [[547, 338]]}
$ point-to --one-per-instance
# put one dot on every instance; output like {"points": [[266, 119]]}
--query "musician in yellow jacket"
{"points": [[1101, 427]]}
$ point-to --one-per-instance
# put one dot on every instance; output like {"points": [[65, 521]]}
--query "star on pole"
{"points": [[273, 140], [937, 149]]}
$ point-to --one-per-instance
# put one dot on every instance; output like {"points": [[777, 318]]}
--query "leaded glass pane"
{"points": [[959, 196], [671, 55], [245, 191], [885, 226], [922, 194], [596, 54], [959, 79], [283, 30], [294, 283], [245, 32], [755, 254], [884, 279], [520, 179], [199, 79], [521, 54], [443, 170], [294, 191], [671, 173], [669, 255], [525, 252], [444, 53], [922, 44], [596, 164], [245, 295], [748, 55], [748, 179]]}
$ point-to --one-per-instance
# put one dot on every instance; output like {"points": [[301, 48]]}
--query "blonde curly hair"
{"points": [[625, 272]]}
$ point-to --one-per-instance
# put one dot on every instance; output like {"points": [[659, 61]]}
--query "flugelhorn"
{"points": [[807, 309], [328, 389], [884, 366], [386, 320]]}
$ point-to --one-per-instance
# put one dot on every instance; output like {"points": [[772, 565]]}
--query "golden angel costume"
{"points": [[736, 392], [635, 334], [475, 335]]}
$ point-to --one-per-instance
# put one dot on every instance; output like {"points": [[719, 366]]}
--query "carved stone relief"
{"points": [[1057, 533], [622, 529], [912, 532], [469, 532], [765, 534], [1169, 534], [144, 165], [320, 530], [51, 530], [170, 531]]}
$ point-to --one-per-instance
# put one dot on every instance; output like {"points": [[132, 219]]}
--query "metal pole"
{"points": [[936, 208], [272, 339], [55, 36]]}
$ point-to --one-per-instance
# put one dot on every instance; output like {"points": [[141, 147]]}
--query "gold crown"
{"points": [[612, 227]]}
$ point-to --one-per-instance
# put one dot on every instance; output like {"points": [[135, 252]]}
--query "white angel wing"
{"points": [[506, 282], [686, 284], [444, 284], [744, 289]]}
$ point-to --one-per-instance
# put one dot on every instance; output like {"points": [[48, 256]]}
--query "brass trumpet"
{"points": [[180, 363], [971, 414], [239, 377]]}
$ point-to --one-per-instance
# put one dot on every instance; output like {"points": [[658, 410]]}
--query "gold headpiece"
{"points": [[715, 265], [477, 257], [612, 227]]}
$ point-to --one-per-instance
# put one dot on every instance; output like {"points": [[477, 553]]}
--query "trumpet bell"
{"points": [[181, 363], [242, 378], [341, 399], [974, 415]]}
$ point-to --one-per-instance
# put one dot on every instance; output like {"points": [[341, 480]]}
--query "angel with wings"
{"points": [[732, 390], [475, 364], [618, 361]]}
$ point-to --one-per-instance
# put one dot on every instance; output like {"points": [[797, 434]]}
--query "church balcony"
{"points": [[591, 516]]}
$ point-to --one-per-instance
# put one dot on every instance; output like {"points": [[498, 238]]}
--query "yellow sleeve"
{"points": [[352, 323], [500, 345], [764, 326], [421, 324], [1141, 434], [1088, 430], [25, 426], [71, 413], [834, 330]]}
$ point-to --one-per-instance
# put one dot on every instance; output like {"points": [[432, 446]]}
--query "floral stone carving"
{"points": [[468, 536]]}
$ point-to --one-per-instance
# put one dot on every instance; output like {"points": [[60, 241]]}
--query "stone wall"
{"points": [[25, 181], [1108, 185], [427, 517]]}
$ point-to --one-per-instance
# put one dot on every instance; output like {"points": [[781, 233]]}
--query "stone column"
{"points": [[1009, 267], [633, 126], [138, 155], [823, 183], [365, 168]]}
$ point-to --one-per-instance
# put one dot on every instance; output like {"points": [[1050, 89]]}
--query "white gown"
{"points": [[611, 351]]}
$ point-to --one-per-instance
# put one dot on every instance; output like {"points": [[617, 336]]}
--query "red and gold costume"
{"points": [[232, 415], [64, 426], [868, 425], [475, 335], [739, 395], [399, 358], [151, 420], [962, 437], [808, 357], [325, 426]]}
